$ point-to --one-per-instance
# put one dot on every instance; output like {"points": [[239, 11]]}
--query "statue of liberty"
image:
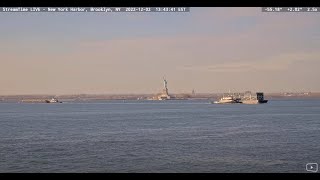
{"points": [[164, 95], [165, 83]]}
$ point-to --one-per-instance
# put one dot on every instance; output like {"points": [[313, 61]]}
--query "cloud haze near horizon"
{"points": [[209, 50]]}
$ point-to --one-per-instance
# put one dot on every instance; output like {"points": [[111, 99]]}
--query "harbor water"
{"points": [[160, 136]]}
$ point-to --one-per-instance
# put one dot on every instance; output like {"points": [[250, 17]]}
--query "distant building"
{"points": [[193, 92]]}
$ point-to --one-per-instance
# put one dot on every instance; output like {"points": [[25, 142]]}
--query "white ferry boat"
{"points": [[227, 100]]}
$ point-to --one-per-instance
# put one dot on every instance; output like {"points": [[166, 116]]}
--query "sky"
{"points": [[210, 50]]}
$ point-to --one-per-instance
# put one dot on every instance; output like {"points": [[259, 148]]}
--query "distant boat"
{"points": [[227, 100], [53, 100], [246, 99]]}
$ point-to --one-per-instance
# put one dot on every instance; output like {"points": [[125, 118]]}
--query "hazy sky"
{"points": [[209, 50]]}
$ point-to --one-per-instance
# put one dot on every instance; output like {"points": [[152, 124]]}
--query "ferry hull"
{"points": [[254, 101]]}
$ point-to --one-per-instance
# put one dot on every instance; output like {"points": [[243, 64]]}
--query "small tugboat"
{"points": [[53, 100]]}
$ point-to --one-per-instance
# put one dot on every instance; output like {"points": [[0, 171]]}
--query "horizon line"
{"points": [[69, 94]]}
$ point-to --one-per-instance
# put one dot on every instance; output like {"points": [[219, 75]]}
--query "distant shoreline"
{"points": [[102, 97]]}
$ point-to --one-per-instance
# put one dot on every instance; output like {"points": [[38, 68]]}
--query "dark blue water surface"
{"points": [[164, 136]]}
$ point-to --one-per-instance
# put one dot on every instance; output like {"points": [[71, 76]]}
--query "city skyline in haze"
{"points": [[210, 50]]}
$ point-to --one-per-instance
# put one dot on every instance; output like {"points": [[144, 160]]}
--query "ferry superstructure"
{"points": [[258, 99]]}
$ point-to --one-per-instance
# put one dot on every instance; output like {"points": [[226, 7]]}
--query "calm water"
{"points": [[148, 136]]}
